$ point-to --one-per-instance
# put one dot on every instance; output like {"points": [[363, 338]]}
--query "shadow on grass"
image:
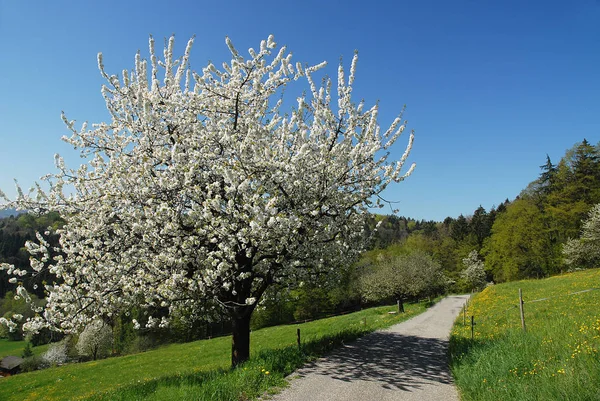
{"points": [[248, 381], [383, 360]]}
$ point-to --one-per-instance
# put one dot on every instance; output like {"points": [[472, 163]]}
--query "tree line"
{"points": [[407, 259], [522, 238]]}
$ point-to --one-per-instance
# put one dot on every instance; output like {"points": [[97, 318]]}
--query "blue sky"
{"points": [[490, 87]]}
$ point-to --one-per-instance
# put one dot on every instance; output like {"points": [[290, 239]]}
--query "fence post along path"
{"points": [[521, 310]]}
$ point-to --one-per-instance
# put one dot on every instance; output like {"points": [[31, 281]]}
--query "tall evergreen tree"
{"points": [[586, 171], [502, 207], [547, 177], [480, 226], [460, 228], [575, 190]]}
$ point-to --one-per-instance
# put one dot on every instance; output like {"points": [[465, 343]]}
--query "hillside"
{"points": [[556, 358], [187, 371], [8, 213]]}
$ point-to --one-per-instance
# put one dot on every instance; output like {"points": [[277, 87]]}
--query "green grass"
{"points": [[556, 359], [200, 370], [16, 348]]}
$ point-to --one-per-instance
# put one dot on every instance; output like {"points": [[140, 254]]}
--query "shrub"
{"points": [[32, 363], [27, 351], [57, 354]]}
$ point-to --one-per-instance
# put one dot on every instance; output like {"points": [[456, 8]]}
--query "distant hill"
{"points": [[8, 213]]}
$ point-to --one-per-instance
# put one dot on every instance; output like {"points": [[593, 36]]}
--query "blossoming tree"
{"points": [[200, 192], [474, 272], [585, 250]]}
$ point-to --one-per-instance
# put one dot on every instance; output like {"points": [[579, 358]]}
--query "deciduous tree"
{"points": [[518, 246], [474, 273], [585, 250], [400, 277], [95, 341], [202, 191]]}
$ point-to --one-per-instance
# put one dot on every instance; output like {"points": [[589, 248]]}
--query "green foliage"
{"points": [[276, 307], [27, 351], [519, 239], [460, 228], [480, 225], [518, 247], [308, 301], [124, 335], [32, 363], [311, 302], [398, 277], [391, 229]]}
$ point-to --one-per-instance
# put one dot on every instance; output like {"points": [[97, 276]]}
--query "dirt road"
{"points": [[406, 362]]}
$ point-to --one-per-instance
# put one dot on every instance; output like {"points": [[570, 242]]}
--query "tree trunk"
{"points": [[240, 344], [400, 305], [241, 312]]}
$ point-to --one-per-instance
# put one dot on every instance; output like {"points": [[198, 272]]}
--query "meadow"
{"points": [[16, 348], [555, 359], [200, 370]]}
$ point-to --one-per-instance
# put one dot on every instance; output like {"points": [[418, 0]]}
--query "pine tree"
{"points": [[547, 177], [586, 170], [480, 225], [460, 228]]}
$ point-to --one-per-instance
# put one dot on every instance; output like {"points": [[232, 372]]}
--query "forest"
{"points": [[407, 260]]}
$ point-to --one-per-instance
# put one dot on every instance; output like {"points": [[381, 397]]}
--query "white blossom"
{"points": [[474, 272], [95, 341], [56, 354], [584, 251], [201, 191]]}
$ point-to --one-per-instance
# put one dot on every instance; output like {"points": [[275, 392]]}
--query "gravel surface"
{"points": [[407, 361]]}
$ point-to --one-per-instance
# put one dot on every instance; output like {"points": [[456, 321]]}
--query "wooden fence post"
{"points": [[298, 335], [472, 327], [465, 314], [521, 309]]}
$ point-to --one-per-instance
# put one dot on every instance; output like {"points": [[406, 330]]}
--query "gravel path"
{"points": [[405, 362]]}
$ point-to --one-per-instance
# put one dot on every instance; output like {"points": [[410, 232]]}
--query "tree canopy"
{"points": [[202, 191], [585, 250]]}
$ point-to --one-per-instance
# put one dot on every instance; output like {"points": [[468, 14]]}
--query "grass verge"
{"points": [[200, 370], [556, 359]]}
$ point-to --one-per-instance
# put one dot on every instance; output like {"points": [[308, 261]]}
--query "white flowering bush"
{"points": [[56, 354], [95, 341], [201, 192], [584, 251], [474, 273]]}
